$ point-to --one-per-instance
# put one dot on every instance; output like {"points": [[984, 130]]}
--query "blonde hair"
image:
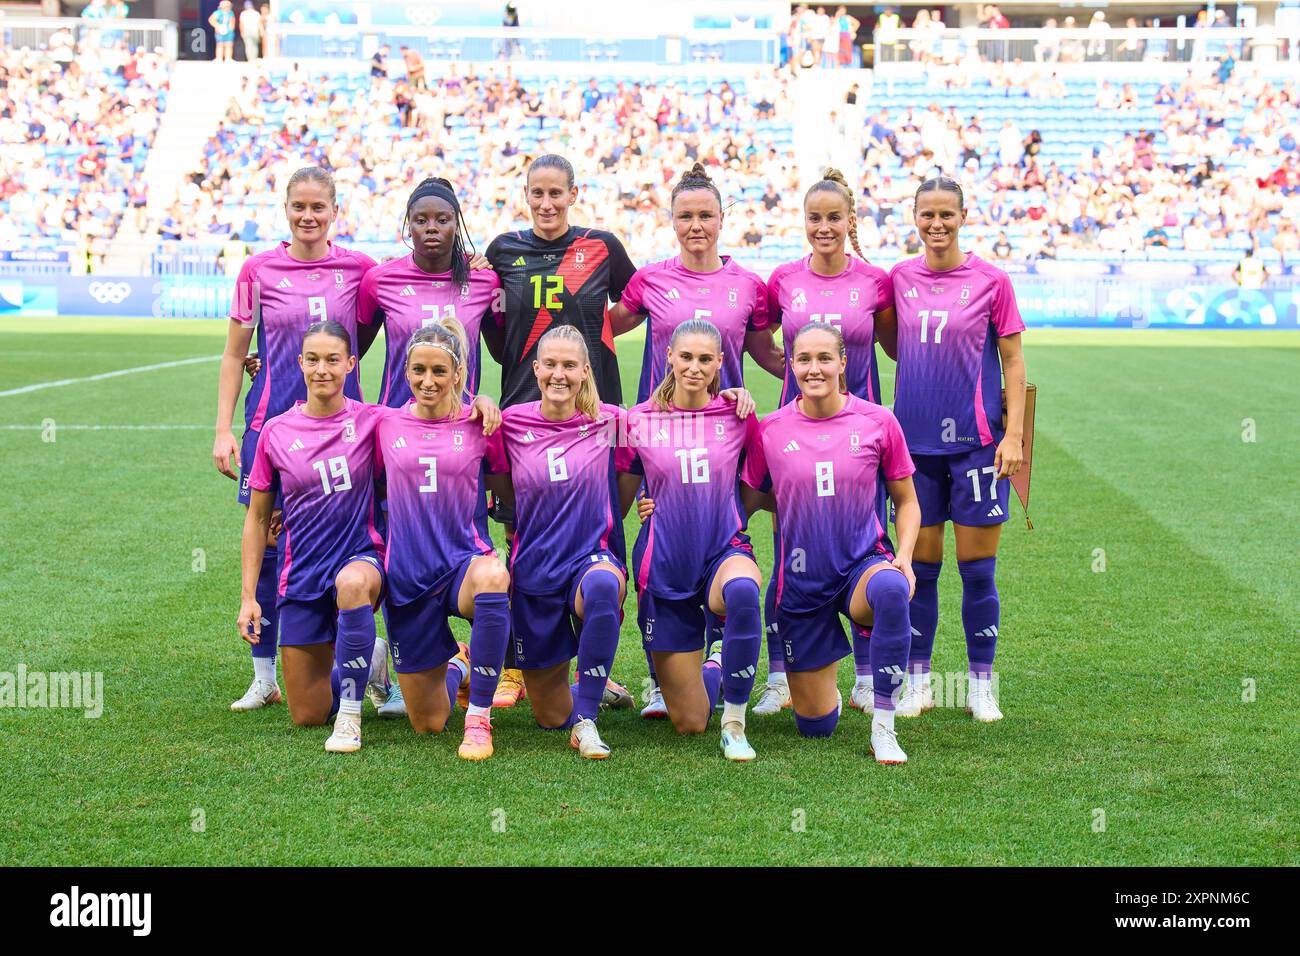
{"points": [[449, 335], [836, 334], [312, 174], [833, 181], [588, 400], [663, 395]]}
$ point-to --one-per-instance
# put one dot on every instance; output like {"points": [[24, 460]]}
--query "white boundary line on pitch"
{"points": [[105, 428], [103, 375]]}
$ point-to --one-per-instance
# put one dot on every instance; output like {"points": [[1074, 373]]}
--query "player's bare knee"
{"points": [[491, 577], [690, 724], [353, 587]]}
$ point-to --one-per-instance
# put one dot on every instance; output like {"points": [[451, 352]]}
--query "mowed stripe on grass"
{"points": [[1122, 688]]}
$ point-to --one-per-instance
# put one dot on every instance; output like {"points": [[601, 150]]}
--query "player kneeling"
{"points": [[825, 452], [440, 557], [320, 455]]}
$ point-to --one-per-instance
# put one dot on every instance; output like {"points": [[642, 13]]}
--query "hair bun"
{"points": [[834, 175]]}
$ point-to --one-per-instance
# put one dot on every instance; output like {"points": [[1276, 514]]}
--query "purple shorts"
{"points": [[813, 639], [315, 620], [247, 449], [545, 626], [419, 633], [961, 488], [671, 625]]}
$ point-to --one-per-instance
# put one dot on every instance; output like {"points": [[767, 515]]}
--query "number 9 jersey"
{"points": [[948, 384]]}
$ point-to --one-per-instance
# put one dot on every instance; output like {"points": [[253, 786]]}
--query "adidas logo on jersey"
{"points": [[297, 445], [597, 671], [793, 446], [996, 512], [991, 631], [519, 262], [356, 663], [661, 436], [529, 436], [400, 443], [800, 300], [911, 293], [407, 291], [284, 283], [673, 293]]}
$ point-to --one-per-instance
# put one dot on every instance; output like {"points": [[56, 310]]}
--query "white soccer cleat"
{"points": [[585, 739], [346, 738], [918, 697], [980, 702], [735, 747], [259, 694], [776, 697], [616, 697], [863, 698], [884, 745], [395, 705], [655, 708]]}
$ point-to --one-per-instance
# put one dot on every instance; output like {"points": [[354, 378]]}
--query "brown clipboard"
{"points": [[1020, 480]]}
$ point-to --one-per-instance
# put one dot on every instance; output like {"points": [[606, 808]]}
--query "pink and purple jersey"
{"points": [[690, 459], [948, 385], [403, 298], [282, 295], [434, 474], [850, 301], [825, 474], [732, 298], [325, 468], [566, 491]]}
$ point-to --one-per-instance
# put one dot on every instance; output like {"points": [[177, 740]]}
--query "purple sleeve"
{"points": [[1006, 314], [634, 293], [368, 311], [241, 307], [895, 459], [754, 472], [263, 472], [495, 454]]}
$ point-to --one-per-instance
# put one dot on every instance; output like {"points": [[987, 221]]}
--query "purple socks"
{"points": [[455, 674], [597, 642], [890, 635], [924, 614], [741, 641], [489, 635], [980, 612], [861, 651], [353, 649], [822, 726], [775, 652], [268, 587]]}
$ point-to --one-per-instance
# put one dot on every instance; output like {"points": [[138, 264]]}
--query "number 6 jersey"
{"points": [[948, 385], [824, 475]]}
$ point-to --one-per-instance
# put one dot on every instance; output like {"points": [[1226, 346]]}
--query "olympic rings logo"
{"points": [[109, 292], [423, 16]]}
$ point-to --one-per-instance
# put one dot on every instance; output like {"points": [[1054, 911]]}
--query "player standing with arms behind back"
{"points": [[277, 295], [554, 274], [830, 286], [957, 316]]}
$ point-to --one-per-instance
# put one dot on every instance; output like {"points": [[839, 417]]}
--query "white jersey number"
{"points": [[431, 473], [825, 479], [830, 318], [695, 465], [939, 315], [974, 476], [556, 465], [437, 312], [338, 469], [316, 307]]}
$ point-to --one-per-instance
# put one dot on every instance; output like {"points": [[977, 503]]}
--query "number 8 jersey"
{"points": [[948, 384], [824, 476]]}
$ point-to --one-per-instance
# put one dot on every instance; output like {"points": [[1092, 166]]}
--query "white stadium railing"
{"points": [[34, 33]]}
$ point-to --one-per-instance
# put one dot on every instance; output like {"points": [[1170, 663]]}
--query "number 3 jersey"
{"points": [[282, 295], [824, 475], [433, 472], [948, 384], [325, 469], [690, 459], [403, 298], [566, 492]]}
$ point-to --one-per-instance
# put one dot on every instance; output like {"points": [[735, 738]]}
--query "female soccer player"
{"points": [[692, 553], [696, 284], [320, 456], [957, 316], [567, 556], [554, 274], [828, 285], [440, 560], [278, 293], [825, 453]]}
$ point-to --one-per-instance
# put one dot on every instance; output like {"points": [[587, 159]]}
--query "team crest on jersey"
{"points": [[965, 294], [350, 430], [799, 303], [464, 290], [733, 296], [437, 283], [855, 442], [719, 430], [458, 440], [313, 277], [826, 293], [338, 278], [429, 436], [853, 295], [582, 429], [549, 257], [579, 258], [936, 289], [702, 290]]}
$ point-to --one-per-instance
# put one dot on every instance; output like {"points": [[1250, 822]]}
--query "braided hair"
{"points": [[833, 181], [439, 188]]}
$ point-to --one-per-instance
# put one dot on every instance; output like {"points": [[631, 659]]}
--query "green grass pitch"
{"points": [[1151, 706]]}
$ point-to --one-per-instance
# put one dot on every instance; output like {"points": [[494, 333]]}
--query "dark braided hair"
{"points": [[697, 177], [439, 188]]}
